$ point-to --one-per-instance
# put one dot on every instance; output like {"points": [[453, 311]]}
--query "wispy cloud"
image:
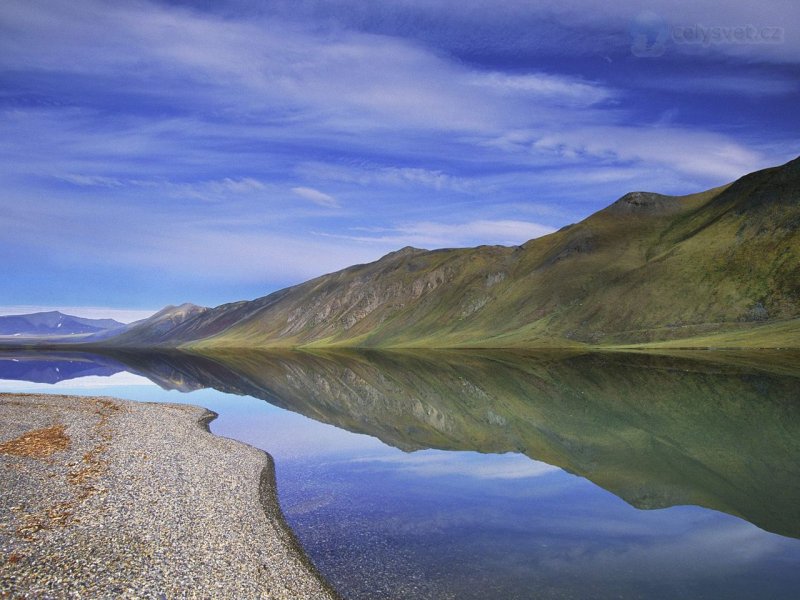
{"points": [[215, 142], [375, 175], [463, 464], [203, 190], [560, 27], [315, 196], [712, 155], [429, 234], [92, 180], [545, 87], [351, 87]]}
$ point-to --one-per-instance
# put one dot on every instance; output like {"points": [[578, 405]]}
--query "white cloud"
{"points": [[204, 253], [224, 109], [269, 80], [542, 86], [180, 245], [315, 196], [373, 175], [244, 185], [220, 189], [429, 234], [718, 544], [340, 79], [199, 251], [699, 153], [92, 180], [573, 27], [464, 464], [204, 190]]}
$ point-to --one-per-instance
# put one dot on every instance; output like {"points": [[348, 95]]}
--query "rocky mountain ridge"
{"points": [[716, 268]]}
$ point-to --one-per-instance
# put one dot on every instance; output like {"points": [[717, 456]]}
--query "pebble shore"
{"points": [[105, 498]]}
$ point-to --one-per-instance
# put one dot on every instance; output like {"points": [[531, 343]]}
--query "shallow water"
{"points": [[504, 475]]}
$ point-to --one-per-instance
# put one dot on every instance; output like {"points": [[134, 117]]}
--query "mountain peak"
{"points": [[645, 203], [405, 251], [793, 164], [182, 309], [53, 322], [189, 306], [152, 328]]}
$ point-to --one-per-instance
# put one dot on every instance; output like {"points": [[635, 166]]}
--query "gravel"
{"points": [[105, 498]]}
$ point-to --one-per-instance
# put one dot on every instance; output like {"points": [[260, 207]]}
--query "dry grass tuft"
{"points": [[39, 443], [83, 474]]}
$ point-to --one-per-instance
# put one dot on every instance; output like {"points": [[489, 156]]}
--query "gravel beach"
{"points": [[105, 498]]}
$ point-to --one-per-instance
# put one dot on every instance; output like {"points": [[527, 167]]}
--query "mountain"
{"points": [[156, 328], [713, 269], [54, 323], [717, 268]]}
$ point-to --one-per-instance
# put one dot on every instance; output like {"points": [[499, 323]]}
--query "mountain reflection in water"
{"points": [[721, 432]]}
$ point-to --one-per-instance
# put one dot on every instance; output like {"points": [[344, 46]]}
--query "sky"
{"points": [[155, 153]]}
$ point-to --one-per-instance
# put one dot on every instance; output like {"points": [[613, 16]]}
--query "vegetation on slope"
{"points": [[719, 267]]}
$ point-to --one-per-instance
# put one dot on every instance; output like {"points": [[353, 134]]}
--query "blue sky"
{"points": [[161, 152]]}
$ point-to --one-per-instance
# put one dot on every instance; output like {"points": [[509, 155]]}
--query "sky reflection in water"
{"points": [[383, 523]]}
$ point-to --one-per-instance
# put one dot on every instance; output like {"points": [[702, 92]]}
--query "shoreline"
{"points": [[104, 497]]}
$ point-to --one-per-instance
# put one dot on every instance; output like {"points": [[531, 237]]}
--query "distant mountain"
{"points": [[717, 268], [54, 323], [156, 329]]}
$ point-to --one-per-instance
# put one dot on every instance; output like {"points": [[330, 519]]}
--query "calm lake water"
{"points": [[503, 475]]}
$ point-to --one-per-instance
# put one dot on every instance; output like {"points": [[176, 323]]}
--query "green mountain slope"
{"points": [[647, 269], [158, 327]]}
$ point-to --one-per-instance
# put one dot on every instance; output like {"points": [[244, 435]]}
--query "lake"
{"points": [[481, 474]]}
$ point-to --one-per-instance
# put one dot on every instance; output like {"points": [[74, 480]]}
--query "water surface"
{"points": [[504, 475]]}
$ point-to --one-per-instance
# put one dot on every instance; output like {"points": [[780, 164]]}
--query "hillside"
{"points": [[157, 328], [719, 268]]}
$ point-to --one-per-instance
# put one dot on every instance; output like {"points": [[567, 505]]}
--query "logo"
{"points": [[649, 34]]}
